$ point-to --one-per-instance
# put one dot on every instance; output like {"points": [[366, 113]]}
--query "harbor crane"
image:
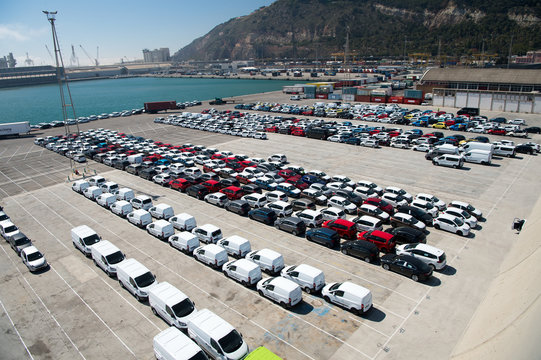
{"points": [[92, 60], [74, 60], [49, 51]]}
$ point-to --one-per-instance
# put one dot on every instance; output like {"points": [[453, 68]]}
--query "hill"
{"points": [[317, 28]]}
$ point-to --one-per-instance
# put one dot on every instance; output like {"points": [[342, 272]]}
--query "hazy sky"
{"points": [[120, 28]]}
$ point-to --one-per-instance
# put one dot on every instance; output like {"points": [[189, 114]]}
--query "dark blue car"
{"points": [[312, 179], [264, 215], [323, 236]]}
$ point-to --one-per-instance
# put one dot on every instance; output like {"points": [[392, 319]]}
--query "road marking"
{"points": [[13, 154], [17, 331]]}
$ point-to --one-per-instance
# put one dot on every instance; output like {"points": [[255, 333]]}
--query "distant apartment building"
{"points": [[531, 57], [156, 55]]}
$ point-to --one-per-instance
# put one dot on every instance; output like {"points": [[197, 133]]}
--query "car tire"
{"points": [[459, 233], [121, 284], [154, 311], [367, 259], [308, 290], [225, 273], [344, 251], [386, 266], [260, 293], [138, 298], [432, 267], [415, 278], [277, 226], [326, 298], [437, 226], [294, 233], [283, 304]]}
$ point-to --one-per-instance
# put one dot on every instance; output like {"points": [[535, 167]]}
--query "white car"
{"points": [[368, 223], [369, 142], [333, 213], [343, 179], [342, 203], [426, 206], [464, 215], [517, 122], [260, 135], [351, 296], [374, 211], [465, 206], [217, 198], [398, 191], [339, 186], [432, 256], [439, 204], [394, 200], [422, 147], [452, 224], [33, 258], [162, 179], [162, 169], [401, 219], [370, 185]]}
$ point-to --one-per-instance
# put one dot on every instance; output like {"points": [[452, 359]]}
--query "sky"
{"points": [[120, 28]]}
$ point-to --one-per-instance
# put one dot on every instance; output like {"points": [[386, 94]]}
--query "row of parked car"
{"points": [[21, 244]]}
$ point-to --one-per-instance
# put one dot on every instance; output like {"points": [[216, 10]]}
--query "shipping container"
{"points": [[335, 96], [362, 98], [413, 94], [349, 90], [412, 101], [378, 99], [364, 92], [310, 96], [321, 96], [348, 97], [396, 99]]}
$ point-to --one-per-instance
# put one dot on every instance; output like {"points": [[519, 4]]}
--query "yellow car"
{"points": [[440, 125], [462, 142], [409, 116]]}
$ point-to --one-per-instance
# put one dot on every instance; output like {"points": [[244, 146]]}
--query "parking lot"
{"points": [[74, 310]]}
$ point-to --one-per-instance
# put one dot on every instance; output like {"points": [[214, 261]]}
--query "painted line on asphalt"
{"points": [[17, 331]]}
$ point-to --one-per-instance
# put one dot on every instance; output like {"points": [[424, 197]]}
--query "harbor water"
{"points": [[41, 103]]}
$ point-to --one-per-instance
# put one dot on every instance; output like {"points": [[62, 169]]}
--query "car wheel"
{"points": [[277, 226], [344, 251], [154, 311], [260, 292], [356, 311], [250, 216], [225, 272], [432, 267], [415, 278], [330, 245], [437, 226], [367, 259], [434, 163], [326, 298], [95, 262], [308, 290], [138, 297], [283, 304], [386, 266], [294, 232], [309, 238], [121, 284], [459, 233]]}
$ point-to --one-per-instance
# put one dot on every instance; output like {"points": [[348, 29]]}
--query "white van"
{"points": [[276, 195], [476, 145], [454, 161], [109, 187], [504, 150], [281, 290], [92, 192], [478, 156], [267, 259], [255, 200], [216, 336], [162, 229], [141, 202], [96, 180], [183, 221], [80, 186], [244, 271], [208, 233], [348, 295], [212, 255], [184, 241], [125, 194], [121, 208], [140, 218], [172, 344], [171, 304], [106, 200], [83, 237], [281, 208], [161, 211], [135, 159], [235, 246], [308, 277], [135, 277], [447, 149], [107, 256]]}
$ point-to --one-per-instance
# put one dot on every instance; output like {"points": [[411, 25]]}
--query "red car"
{"points": [[298, 183], [131, 152], [374, 132], [247, 163], [209, 168], [272, 129], [497, 132], [159, 143], [286, 174], [393, 133], [345, 228], [179, 184], [309, 112], [212, 185], [217, 156], [298, 132], [381, 204], [384, 241], [232, 192], [244, 179]]}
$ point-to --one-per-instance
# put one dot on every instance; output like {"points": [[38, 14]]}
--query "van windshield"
{"points": [[91, 240], [145, 280], [231, 342], [183, 308], [216, 233], [335, 286], [199, 356], [147, 201], [115, 258]]}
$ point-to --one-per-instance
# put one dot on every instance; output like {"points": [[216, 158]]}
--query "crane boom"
{"points": [[95, 61]]}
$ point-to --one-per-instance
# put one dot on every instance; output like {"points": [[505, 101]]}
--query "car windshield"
{"points": [[34, 256], [145, 280], [3, 217], [335, 286], [22, 241], [459, 222], [435, 199], [346, 202], [183, 308], [470, 208], [231, 342], [115, 258], [383, 203], [11, 228], [428, 206], [410, 246], [91, 240], [465, 214], [401, 192]]}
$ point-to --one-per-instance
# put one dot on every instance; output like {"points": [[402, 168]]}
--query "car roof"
{"points": [[379, 233], [429, 248], [447, 216], [30, 249]]}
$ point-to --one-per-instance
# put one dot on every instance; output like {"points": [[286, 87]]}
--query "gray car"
{"points": [[18, 242], [291, 224]]}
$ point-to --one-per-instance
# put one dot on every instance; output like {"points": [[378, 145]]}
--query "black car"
{"points": [[239, 207], [533, 130], [229, 182], [89, 153], [353, 141], [197, 191], [121, 164], [264, 215], [417, 213], [524, 149], [251, 188], [134, 169], [482, 139], [210, 176], [99, 157], [350, 195], [407, 265], [303, 204], [291, 224], [323, 236], [361, 249], [407, 235], [148, 173], [18, 242]]}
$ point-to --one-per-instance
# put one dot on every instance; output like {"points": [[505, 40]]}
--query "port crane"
{"points": [[74, 60], [92, 60]]}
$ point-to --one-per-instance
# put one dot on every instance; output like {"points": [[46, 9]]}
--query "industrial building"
{"points": [[513, 90], [27, 75], [156, 55]]}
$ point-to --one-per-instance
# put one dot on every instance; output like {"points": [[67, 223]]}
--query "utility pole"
{"points": [[510, 49], [62, 81], [346, 52]]}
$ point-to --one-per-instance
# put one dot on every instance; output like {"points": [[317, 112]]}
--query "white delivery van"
{"points": [[183, 221], [171, 304], [125, 194], [351, 296], [235, 246], [476, 145], [96, 180], [106, 200], [121, 208], [184, 241], [208, 233], [83, 237], [212, 255], [281, 290], [244, 271], [92, 192], [162, 229], [504, 150], [447, 149], [141, 202], [140, 218], [136, 278], [308, 277], [107, 256], [267, 259], [80, 186], [216, 336], [161, 211], [135, 159], [172, 344], [478, 156], [109, 187]]}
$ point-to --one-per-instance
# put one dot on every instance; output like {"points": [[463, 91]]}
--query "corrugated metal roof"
{"points": [[500, 76]]}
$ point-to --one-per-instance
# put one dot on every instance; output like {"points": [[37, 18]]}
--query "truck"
{"points": [[154, 107], [217, 101], [15, 129]]}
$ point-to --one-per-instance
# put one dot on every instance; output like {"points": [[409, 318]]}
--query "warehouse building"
{"points": [[511, 90]]}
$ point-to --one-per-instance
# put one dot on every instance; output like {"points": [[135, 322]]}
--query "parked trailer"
{"points": [[15, 129], [154, 107]]}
